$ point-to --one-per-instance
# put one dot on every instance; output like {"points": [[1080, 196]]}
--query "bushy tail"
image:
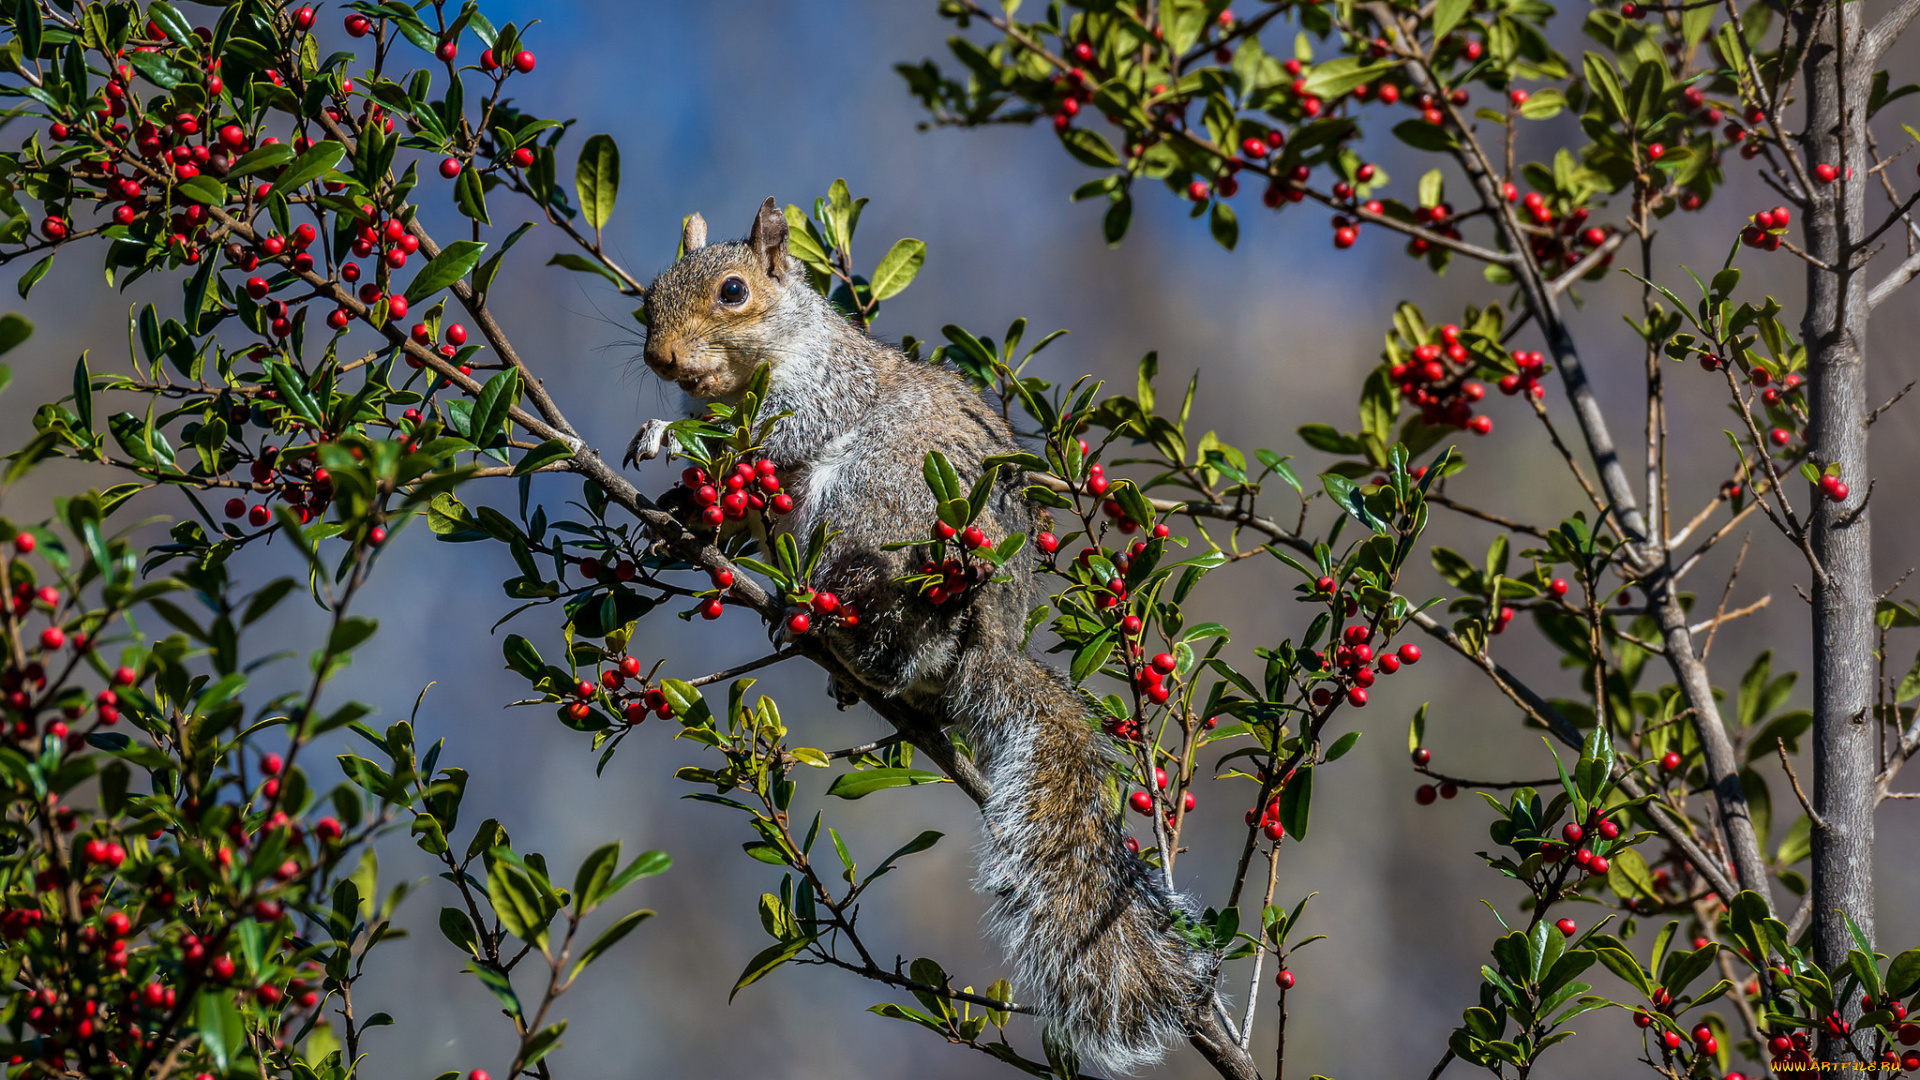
{"points": [[1088, 926]]}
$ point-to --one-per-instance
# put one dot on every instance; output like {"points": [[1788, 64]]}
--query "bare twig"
{"points": [[1780, 746]]}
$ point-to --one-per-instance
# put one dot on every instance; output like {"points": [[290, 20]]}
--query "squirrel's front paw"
{"points": [[845, 694], [647, 443]]}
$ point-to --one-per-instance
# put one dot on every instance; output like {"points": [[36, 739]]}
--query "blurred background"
{"points": [[716, 106]]}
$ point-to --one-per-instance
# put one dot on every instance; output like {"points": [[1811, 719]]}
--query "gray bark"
{"points": [[1835, 330]]}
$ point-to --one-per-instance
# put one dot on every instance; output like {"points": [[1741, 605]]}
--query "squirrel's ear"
{"points": [[693, 234], [769, 240]]}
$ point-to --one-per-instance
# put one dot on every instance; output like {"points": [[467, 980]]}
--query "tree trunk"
{"points": [[1835, 327]]}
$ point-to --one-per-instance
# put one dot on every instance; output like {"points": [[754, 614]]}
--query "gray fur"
{"points": [[1088, 926]]}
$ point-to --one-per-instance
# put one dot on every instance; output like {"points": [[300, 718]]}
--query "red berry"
{"points": [[1573, 833], [1409, 653], [798, 623], [1141, 802], [303, 18], [1164, 663], [523, 157], [450, 168], [1670, 761], [1283, 979], [523, 62], [1357, 697], [1567, 927], [1425, 794]]}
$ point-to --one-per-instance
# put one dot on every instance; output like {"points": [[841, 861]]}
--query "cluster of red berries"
{"points": [[820, 604], [1267, 820], [1154, 679], [1142, 802], [1582, 841], [1437, 381], [1425, 794], [1355, 665], [1073, 89], [454, 338], [1768, 230], [182, 145], [1558, 242], [749, 486], [953, 577], [1438, 218], [633, 704], [296, 477], [1532, 365]]}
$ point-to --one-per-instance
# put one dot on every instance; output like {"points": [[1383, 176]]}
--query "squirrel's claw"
{"points": [[647, 443]]}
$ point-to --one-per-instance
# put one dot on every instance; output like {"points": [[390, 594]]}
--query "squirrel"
{"points": [[1096, 939]]}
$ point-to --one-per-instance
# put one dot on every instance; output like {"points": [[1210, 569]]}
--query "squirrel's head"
{"points": [[717, 314]]}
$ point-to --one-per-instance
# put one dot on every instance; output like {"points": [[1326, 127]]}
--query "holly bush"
{"points": [[180, 898]]}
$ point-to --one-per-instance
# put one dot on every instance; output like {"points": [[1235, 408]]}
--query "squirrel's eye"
{"points": [[733, 291]]}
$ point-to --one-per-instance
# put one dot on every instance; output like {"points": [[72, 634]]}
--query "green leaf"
{"points": [[490, 409], [898, 268], [1606, 82], [1447, 15], [856, 784], [611, 936], [1903, 975], [594, 873], [83, 392], [33, 275], [1420, 135], [203, 189], [456, 927], [1341, 745], [1296, 800], [646, 864], [1089, 148], [769, 958], [454, 262], [1336, 77], [1628, 876], [1223, 224], [260, 160], [14, 329], [319, 159], [501, 986], [597, 179], [470, 195], [545, 454], [222, 1030], [577, 262]]}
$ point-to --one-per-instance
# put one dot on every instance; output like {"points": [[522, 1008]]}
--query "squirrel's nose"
{"points": [[662, 359]]}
